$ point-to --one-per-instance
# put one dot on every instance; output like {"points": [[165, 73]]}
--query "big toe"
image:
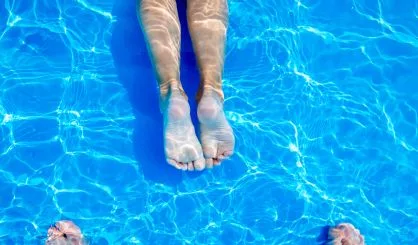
{"points": [[194, 158], [210, 153], [199, 164], [209, 149]]}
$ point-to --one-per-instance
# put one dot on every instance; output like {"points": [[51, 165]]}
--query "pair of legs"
{"points": [[207, 23]]}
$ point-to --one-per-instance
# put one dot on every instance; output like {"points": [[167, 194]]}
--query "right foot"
{"points": [[216, 134], [182, 147]]}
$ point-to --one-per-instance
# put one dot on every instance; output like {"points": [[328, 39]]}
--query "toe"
{"points": [[221, 157], [178, 165], [226, 154], [217, 162], [183, 166], [190, 166], [209, 163], [199, 164], [209, 151]]}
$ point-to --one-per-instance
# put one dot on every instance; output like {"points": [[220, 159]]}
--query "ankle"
{"points": [[210, 89], [210, 105], [167, 89]]}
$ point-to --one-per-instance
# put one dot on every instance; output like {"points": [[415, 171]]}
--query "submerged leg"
{"points": [[160, 24], [208, 21]]}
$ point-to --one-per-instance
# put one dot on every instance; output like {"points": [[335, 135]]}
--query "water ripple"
{"points": [[321, 96]]}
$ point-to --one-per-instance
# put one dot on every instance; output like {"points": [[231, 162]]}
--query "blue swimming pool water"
{"points": [[322, 96]]}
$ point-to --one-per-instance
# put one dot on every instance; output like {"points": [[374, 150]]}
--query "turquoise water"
{"points": [[322, 97]]}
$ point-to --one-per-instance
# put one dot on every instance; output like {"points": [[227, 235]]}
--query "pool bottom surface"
{"points": [[319, 96]]}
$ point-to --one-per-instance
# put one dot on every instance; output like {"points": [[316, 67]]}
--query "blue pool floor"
{"points": [[322, 98]]}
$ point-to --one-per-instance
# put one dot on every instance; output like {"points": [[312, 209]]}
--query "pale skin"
{"points": [[207, 23], [65, 232], [345, 234]]}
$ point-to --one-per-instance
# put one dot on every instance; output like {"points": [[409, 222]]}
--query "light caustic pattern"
{"points": [[322, 96]]}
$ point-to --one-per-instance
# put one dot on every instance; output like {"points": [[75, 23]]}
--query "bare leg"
{"points": [[161, 27], [208, 21]]}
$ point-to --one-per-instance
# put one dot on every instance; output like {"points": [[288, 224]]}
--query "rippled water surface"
{"points": [[322, 95]]}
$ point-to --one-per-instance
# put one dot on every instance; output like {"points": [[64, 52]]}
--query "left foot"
{"points": [[216, 135]]}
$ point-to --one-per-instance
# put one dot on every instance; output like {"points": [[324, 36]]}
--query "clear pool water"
{"points": [[322, 95]]}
